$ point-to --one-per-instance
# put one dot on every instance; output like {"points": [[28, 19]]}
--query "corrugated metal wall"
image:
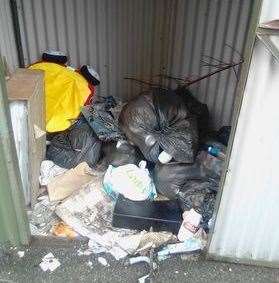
{"points": [[7, 39], [205, 28], [142, 38]]}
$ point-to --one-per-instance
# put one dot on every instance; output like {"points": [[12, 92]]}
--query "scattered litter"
{"points": [[144, 241], [138, 259], [21, 254], [96, 248], [42, 218], [89, 212], [61, 229], [189, 246], [190, 257], [143, 278], [163, 257], [48, 171], [176, 271], [65, 184], [49, 262], [84, 252], [191, 221], [230, 270], [131, 181], [118, 253], [103, 261]]}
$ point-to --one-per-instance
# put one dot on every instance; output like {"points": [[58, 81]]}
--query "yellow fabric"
{"points": [[66, 92]]}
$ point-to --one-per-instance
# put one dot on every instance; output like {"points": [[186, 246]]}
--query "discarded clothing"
{"points": [[77, 144], [64, 185], [102, 120], [160, 121], [66, 92]]}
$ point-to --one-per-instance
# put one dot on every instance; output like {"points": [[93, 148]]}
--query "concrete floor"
{"points": [[74, 268]]}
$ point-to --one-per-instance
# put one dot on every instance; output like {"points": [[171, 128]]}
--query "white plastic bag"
{"points": [[131, 181]]}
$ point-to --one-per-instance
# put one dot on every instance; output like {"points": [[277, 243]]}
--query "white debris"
{"points": [[143, 278], [84, 252], [118, 253], [89, 263], [21, 254], [48, 171], [103, 261], [49, 263], [138, 259], [95, 247]]}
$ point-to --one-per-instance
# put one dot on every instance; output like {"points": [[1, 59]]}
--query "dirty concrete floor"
{"points": [[74, 268]]}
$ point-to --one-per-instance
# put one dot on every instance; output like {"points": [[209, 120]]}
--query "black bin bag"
{"points": [[76, 145], [121, 153], [159, 120], [193, 185]]}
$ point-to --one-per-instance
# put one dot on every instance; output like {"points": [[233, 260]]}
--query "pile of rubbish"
{"points": [[139, 177]]}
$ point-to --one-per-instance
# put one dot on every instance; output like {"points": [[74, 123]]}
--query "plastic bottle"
{"points": [[215, 151], [164, 157]]}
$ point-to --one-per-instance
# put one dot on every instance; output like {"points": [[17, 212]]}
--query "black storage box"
{"points": [[142, 215]]}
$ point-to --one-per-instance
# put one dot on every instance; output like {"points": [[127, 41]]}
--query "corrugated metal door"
{"points": [[246, 228]]}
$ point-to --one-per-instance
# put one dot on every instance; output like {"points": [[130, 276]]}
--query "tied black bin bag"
{"points": [[76, 145], [160, 121]]}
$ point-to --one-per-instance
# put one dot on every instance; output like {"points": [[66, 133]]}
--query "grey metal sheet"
{"points": [[142, 38], [7, 39]]}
